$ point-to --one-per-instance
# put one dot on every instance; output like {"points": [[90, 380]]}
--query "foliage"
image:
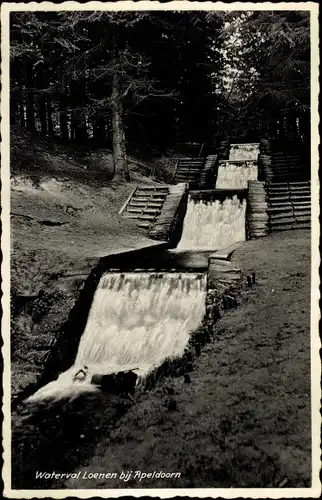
{"points": [[269, 72], [158, 78]]}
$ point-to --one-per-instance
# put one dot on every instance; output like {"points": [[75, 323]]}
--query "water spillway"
{"points": [[246, 151], [136, 321], [235, 174], [140, 319], [214, 224]]}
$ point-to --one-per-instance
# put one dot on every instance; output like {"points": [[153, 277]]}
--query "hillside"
{"points": [[65, 207], [64, 218], [244, 420]]}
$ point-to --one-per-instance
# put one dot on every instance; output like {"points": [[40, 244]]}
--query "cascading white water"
{"points": [[136, 321], [236, 175], [247, 151], [213, 225]]}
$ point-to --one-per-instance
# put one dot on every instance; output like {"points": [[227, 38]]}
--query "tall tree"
{"points": [[268, 66], [93, 74]]}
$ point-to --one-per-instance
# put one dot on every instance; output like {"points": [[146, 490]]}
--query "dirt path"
{"points": [[244, 421]]}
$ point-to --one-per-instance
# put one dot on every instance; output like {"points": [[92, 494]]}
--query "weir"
{"points": [[137, 320], [235, 174], [246, 151], [214, 224], [216, 218]]}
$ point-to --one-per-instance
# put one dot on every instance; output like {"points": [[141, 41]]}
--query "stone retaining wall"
{"points": [[208, 175], [47, 327], [168, 225], [247, 151], [223, 290], [223, 285], [256, 214]]}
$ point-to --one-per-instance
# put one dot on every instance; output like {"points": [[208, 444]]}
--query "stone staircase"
{"points": [[289, 205], [145, 204], [189, 170], [287, 167]]}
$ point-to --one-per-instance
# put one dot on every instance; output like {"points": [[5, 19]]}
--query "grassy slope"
{"points": [[244, 421], [56, 183], [245, 418], [71, 189]]}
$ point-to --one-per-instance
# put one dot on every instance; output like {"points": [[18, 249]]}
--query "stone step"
{"points": [[287, 171], [276, 194], [303, 218], [300, 189], [188, 171], [287, 175], [301, 199], [187, 179], [144, 225], [286, 178], [129, 215], [301, 206], [134, 210], [302, 225], [141, 217], [285, 227], [281, 218], [281, 221], [291, 191], [140, 199], [154, 187], [140, 196], [285, 161], [145, 204], [278, 189], [153, 211], [299, 196], [146, 210], [290, 183], [146, 217], [190, 164], [290, 174], [187, 161], [280, 208], [285, 154], [286, 164], [278, 199], [180, 175]]}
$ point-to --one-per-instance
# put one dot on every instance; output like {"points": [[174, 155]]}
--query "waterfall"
{"points": [[136, 321], [248, 151], [213, 225], [236, 175]]}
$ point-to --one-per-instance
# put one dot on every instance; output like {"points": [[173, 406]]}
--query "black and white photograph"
{"points": [[160, 287]]}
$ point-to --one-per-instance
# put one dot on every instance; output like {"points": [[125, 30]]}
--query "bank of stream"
{"points": [[244, 418]]}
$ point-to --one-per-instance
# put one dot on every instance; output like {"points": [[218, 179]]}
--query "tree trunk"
{"points": [[99, 135], [13, 111], [42, 115], [30, 108], [63, 119], [30, 111], [80, 127], [50, 118], [22, 114], [119, 149]]}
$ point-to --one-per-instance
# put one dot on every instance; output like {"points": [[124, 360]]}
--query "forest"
{"points": [[149, 81]]}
